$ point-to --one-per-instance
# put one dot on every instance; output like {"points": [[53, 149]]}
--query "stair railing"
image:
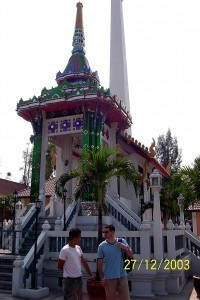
{"points": [[123, 214], [193, 243], [41, 254], [69, 213]]}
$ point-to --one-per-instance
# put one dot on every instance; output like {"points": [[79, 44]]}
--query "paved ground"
{"points": [[188, 293]]}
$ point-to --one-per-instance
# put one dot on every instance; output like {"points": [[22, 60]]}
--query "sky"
{"points": [[163, 60]]}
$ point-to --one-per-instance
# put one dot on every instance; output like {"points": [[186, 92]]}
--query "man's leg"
{"points": [[111, 289], [123, 289], [72, 288]]}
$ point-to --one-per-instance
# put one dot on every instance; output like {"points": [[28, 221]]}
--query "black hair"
{"points": [[110, 227], [74, 233]]}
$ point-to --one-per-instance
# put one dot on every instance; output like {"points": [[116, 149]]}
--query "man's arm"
{"points": [[61, 264], [86, 267], [128, 250], [100, 269]]}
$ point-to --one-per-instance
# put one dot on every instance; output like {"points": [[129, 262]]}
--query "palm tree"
{"points": [[187, 182], [191, 182], [98, 167]]}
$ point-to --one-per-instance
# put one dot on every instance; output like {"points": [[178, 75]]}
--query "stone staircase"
{"points": [[30, 239], [6, 269]]}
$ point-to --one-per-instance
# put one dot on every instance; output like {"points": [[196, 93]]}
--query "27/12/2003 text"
{"points": [[153, 264]]}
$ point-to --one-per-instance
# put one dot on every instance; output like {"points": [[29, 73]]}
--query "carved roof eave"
{"points": [[115, 112], [83, 75], [142, 151]]}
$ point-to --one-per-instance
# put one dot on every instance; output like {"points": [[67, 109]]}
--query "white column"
{"points": [[59, 162], [182, 217], [180, 204], [118, 64], [157, 226]]}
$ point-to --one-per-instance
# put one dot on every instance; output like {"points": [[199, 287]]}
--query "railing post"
{"points": [[171, 252], [45, 227], [58, 224], [17, 276], [145, 249]]}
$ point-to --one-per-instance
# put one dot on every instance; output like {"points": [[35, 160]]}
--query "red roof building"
{"points": [[8, 187], [195, 209], [49, 189]]}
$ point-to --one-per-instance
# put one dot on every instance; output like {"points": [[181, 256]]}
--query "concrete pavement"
{"points": [[188, 293]]}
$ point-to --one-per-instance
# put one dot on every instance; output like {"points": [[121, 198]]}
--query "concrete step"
{"points": [[5, 276], [6, 269], [7, 292], [5, 285], [6, 261]]}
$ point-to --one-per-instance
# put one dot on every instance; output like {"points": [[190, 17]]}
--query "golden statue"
{"points": [[152, 151], [148, 183], [168, 167]]}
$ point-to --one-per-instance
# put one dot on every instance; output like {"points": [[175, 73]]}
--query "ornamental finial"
{"points": [[79, 16], [79, 38]]}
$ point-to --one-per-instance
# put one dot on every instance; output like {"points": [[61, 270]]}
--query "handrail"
{"points": [[128, 215], [128, 211], [194, 244], [69, 213], [28, 220], [28, 260]]}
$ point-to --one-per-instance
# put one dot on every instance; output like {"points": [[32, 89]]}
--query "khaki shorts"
{"points": [[72, 288], [117, 286]]}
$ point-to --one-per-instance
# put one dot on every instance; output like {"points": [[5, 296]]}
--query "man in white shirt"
{"points": [[70, 260]]}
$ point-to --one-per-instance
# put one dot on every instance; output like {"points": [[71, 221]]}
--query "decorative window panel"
{"points": [[65, 125]]}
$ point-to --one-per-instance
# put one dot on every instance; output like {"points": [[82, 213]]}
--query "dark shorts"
{"points": [[72, 288]]}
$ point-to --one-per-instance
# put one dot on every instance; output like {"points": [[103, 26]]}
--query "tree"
{"points": [[190, 186], [186, 182], [27, 162], [167, 151], [169, 193], [169, 156], [27, 165], [98, 167]]}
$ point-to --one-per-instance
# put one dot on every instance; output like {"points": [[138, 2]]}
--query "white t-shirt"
{"points": [[72, 257]]}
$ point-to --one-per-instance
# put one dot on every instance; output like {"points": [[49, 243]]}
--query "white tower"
{"points": [[118, 65]]}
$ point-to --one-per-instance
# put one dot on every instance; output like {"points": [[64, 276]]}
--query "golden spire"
{"points": [[79, 16]]}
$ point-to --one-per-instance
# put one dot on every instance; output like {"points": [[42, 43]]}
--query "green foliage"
{"points": [[191, 182], [9, 203], [36, 162], [186, 182], [167, 150], [27, 165], [170, 191]]}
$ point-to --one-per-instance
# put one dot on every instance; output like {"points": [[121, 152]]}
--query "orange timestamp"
{"points": [[155, 265]]}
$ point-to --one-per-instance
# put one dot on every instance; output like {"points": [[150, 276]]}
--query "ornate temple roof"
{"points": [[78, 65], [78, 88]]}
